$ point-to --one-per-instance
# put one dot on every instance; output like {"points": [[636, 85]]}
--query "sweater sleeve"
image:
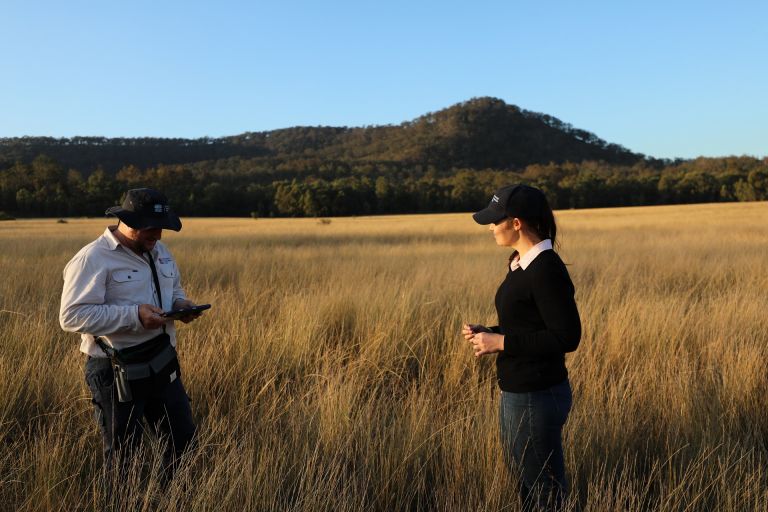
{"points": [[553, 293]]}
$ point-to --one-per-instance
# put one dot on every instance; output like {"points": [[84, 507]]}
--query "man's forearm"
{"points": [[100, 319]]}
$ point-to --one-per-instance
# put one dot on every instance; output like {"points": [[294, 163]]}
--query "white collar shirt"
{"points": [[104, 284], [544, 245]]}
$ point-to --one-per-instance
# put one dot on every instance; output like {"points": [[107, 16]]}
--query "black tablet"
{"points": [[178, 313]]}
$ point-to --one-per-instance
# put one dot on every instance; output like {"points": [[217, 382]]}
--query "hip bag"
{"points": [[145, 368]]}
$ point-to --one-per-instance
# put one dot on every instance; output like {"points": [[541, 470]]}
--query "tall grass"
{"points": [[330, 374]]}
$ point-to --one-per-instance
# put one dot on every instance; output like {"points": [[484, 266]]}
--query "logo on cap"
{"points": [[161, 208], [495, 199]]}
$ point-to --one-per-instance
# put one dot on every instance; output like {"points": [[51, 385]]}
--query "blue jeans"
{"points": [[531, 427], [167, 411]]}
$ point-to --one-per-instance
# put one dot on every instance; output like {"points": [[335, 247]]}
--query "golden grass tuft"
{"points": [[330, 375]]}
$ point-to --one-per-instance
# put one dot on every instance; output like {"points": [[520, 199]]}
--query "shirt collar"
{"points": [[534, 251], [110, 238], [114, 243]]}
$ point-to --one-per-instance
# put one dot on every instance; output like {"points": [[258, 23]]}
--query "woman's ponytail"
{"points": [[542, 222]]}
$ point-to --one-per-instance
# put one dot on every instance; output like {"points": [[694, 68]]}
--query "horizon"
{"points": [[667, 81]]}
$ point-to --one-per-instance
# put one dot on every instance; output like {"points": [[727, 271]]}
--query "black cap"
{"points": [[146, 208], [521, 201]]}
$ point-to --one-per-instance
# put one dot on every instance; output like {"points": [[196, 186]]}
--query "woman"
{"points": [[538, 324]]}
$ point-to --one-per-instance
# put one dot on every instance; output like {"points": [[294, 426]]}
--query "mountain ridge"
{"points": [[478, 133]]}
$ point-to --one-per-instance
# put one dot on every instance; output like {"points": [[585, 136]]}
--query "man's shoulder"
{"points": [[162, 250], [97, 249], [92, 248]]}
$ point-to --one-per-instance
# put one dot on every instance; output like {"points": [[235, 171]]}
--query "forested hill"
{"points": [[479, 134], [447, 161]]}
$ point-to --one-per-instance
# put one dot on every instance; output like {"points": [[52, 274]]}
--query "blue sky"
{"points": [[666, 79]]}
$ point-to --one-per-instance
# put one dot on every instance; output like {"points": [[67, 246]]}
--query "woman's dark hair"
{"points": [[543, 226]]}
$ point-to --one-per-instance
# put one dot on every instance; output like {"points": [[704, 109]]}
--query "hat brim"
{"points": [[490, 215], [168, 221]]}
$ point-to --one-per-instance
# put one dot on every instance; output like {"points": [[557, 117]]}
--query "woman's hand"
{"points": [[487, 343], [483, 341], [469, 330]]}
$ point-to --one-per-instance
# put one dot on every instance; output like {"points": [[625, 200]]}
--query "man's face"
{"points": [[143, 240]]}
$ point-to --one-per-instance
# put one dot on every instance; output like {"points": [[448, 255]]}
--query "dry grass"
{"points": [[330, 374]]}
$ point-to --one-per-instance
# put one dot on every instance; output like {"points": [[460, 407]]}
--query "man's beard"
{"points": [[138, 246]]}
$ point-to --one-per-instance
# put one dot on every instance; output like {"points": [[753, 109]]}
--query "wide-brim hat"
{"points": [[146, 208], [521, 201]]}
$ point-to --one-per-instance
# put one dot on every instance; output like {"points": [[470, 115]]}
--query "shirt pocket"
{"points": [[126, 276], [126, 286], [167, 272]]}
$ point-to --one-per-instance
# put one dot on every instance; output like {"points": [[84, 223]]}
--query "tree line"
{"points": [[318, 187]]}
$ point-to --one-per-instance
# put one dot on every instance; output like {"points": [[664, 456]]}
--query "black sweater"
{"points": [[540, 323]]}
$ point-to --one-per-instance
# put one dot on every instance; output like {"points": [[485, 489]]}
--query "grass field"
{"points": [[330, 374]]}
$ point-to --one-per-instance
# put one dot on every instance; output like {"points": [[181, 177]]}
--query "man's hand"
{"points": [[186, 303], [149, 316]]}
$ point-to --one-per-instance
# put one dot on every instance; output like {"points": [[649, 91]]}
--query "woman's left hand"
{"points": [[487, 343]]}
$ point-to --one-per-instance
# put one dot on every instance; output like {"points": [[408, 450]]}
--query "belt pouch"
{"points": [[145, 368]]}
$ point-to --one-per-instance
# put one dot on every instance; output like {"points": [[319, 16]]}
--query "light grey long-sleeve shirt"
{"points": [[104, 284]]}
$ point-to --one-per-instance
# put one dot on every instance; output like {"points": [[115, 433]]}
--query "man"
{"points": [[111, 298]]}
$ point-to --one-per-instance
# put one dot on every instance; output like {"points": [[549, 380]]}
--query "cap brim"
{"points": [[489, 215], [169, 221]]}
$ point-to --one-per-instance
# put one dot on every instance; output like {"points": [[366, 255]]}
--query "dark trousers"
{"points": [[531, 428], [167, 412]]}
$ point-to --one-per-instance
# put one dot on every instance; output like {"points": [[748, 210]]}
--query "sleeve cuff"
{"points": [[137, 320], [507, 344]]}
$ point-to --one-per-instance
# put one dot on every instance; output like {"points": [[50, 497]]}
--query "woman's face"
{"points": [[505, 232]]}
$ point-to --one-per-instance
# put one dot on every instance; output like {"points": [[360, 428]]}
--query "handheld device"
{"points": [[178, 313]]}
